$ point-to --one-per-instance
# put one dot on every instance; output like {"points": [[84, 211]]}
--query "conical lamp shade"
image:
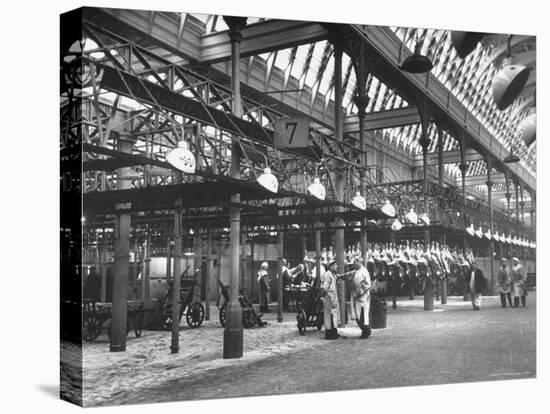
{"points": [[268, 180], [372, 223], [528, 129], [388, 209], [128, 173], [411, 217], [496, 237], [508, 84], [417, 63], [488, 235], [396, 225], [317, 189], [181, 158], [465, 42], [359, 201], [470, 230], [424, 219], [479, 233]]}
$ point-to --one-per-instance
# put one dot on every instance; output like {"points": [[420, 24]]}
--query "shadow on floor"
{"points": [[49, 389]]}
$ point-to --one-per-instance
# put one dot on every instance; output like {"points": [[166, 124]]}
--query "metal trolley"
{"points": [[193, 309], [249, 315], [309, 308], [95, 314]]}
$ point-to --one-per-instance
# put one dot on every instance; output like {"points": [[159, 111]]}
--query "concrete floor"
{"points": [[452, 344]]}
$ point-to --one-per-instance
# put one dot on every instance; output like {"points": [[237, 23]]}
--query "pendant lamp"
{"points": [[359, 201], [424, 219], [372, 223], [470, 230], [488, 235], [388, 209], [396, 225], [417, 63], [509, 81], [496, 237], [268, 180], [511, 158], [528, 129], [181, 158], [317, 189], [465, 42], [411, 216]]}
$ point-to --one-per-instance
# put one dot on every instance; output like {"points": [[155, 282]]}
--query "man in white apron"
{"points": [[330, 300], [360, 297], [518, 279], [505, 283]]}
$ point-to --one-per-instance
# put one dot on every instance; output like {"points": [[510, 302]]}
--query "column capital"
{"points": [[361, 101], [463, 167], [424, 143], [236, 25]]}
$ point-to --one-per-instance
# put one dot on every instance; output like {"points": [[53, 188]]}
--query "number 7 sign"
{"points": [[291, 133]]}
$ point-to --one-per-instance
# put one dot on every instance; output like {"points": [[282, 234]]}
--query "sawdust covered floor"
{"points": [[451, 344]]}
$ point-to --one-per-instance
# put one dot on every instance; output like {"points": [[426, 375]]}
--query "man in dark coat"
{"points": [[476, 285]]}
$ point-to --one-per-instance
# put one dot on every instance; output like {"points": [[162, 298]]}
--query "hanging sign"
{"points": [[291, 133]]}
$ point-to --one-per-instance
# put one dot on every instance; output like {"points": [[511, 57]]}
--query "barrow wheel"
{"points": [[195, 315], [248, 318], [301, 320], [320, 320], [91, 328], [223, 311]]}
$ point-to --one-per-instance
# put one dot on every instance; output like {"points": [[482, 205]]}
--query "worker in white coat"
{"points": [[360, 297], [329, 291]]}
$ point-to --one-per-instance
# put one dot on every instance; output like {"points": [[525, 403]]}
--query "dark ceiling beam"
{"points": [[261, 37], [482, 179], [449, 157], [383, 119]]}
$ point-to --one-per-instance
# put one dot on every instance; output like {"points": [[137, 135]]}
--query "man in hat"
{"points": [[330, 300], [505, 282], [518, 282], [360, 297], [263, 281]]}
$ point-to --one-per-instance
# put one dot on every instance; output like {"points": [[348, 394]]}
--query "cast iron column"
{"points": [[280, 279], [429, 286], [491, 224], [122, 262], [146, 267], [517, 202], [233, 333], [176, 276], [441, 176], [339, 182], [361, 101], [317, 227], [209, 273]]}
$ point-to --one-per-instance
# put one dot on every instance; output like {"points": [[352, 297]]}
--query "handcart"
{"points": [[95, 314], [309, 308], [249, 315], [193, 310]]}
